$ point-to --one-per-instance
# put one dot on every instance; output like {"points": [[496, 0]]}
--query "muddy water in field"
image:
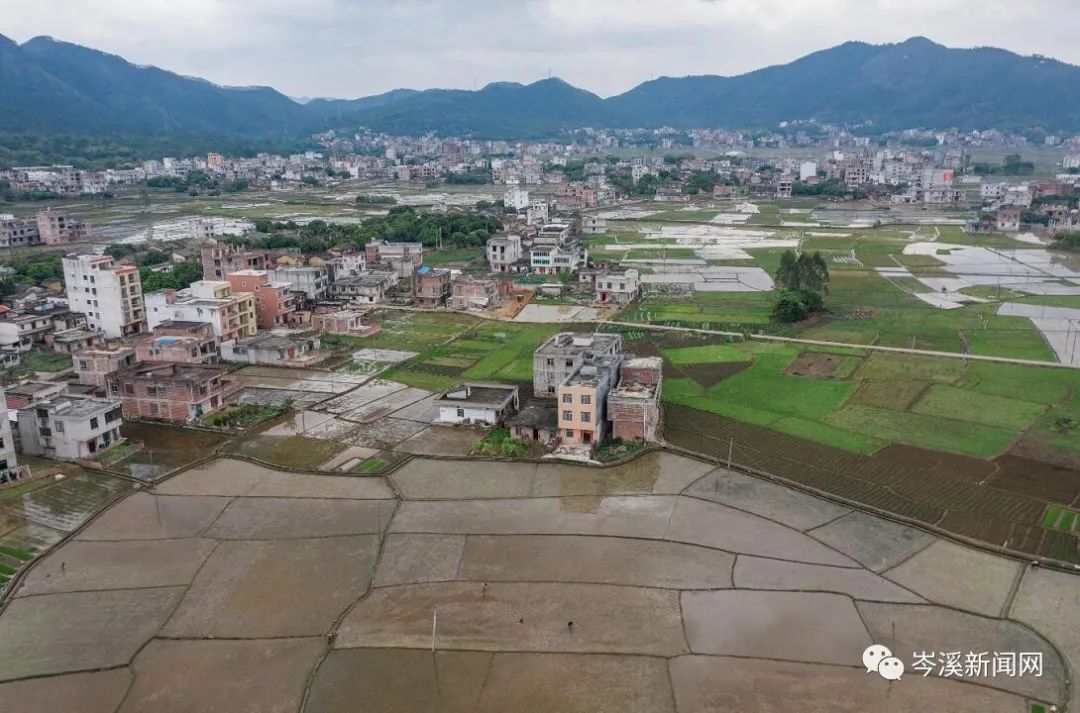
{"points": [[167, 448]]}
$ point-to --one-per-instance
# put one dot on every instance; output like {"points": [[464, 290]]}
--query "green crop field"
{"points": [[960, 405], [939, 403]]}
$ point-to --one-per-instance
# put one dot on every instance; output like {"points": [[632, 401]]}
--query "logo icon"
{"points": [[879, 659], [874, 655]]}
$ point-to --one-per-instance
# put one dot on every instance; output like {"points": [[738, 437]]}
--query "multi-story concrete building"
{"points": [[468, 292], [18, 232], [432, 287], [179, 342], [593, 225], [59, 229], [366, 289], [505, 254], [618, 287], [582, 401], [382, 251], [172, 392], [219, 259], [109, 295], [1008, 219], [555, 259], [93, 365], [350, 263], [516, 199], [231, 315], [276, 303], [20, 332], [346, 321], [563, 354], [69, 427], [311, 280], [74, 340]]}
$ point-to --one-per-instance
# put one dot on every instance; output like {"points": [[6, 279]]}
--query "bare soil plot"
{"points": [[708, 683], [86, 630], [265, 589], [203, 676], [518, 617], [97, 692], [821, 365]]}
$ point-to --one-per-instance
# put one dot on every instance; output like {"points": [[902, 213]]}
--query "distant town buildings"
{"points": [[45, 228]]}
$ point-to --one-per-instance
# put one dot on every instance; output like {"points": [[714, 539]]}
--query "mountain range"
{"points": [[49, 86]]}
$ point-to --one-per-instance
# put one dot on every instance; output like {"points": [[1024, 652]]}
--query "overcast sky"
{"points": [[350, 48]]}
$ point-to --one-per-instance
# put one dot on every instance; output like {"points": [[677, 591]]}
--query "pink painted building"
{"points": [[276, 304]]}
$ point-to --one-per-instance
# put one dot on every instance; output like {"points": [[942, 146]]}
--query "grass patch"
{"points": [[924, 431], [246, 415], [17, 491], [958, 404], [44, 361], [296, 452], [617, 449], [1034, 384], [895, 395], [371, 465], [5, 569], [499, 442], [892, 367]]}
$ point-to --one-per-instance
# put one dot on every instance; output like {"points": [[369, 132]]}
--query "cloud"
{"points": [[360, 47]]}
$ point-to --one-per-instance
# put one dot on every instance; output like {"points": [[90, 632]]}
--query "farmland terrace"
{"points": [[663, 584]]}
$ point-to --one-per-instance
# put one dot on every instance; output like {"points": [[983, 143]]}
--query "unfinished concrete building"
{"points": [[561, 356]]}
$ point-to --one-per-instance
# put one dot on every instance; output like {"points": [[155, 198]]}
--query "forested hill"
{"points": [[50, 86]]}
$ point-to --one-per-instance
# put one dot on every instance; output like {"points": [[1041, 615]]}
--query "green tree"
{"points": [[790, 307]]}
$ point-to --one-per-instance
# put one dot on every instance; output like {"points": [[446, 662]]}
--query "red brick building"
{"points": [[634, 405], [172, 392], [432, 287], [92, 366], [276, 304]]}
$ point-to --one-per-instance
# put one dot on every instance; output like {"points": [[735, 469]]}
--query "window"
{"points": [[586, 417], [461, 413], [94, 423], [129, 389], [569, 433], [586, 399], [59, 426], [568, 415], [569, 362], [153, 407], [567, 398]]}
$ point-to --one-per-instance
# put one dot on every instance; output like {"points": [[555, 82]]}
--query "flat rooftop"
{"points": [[490, 394]]}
